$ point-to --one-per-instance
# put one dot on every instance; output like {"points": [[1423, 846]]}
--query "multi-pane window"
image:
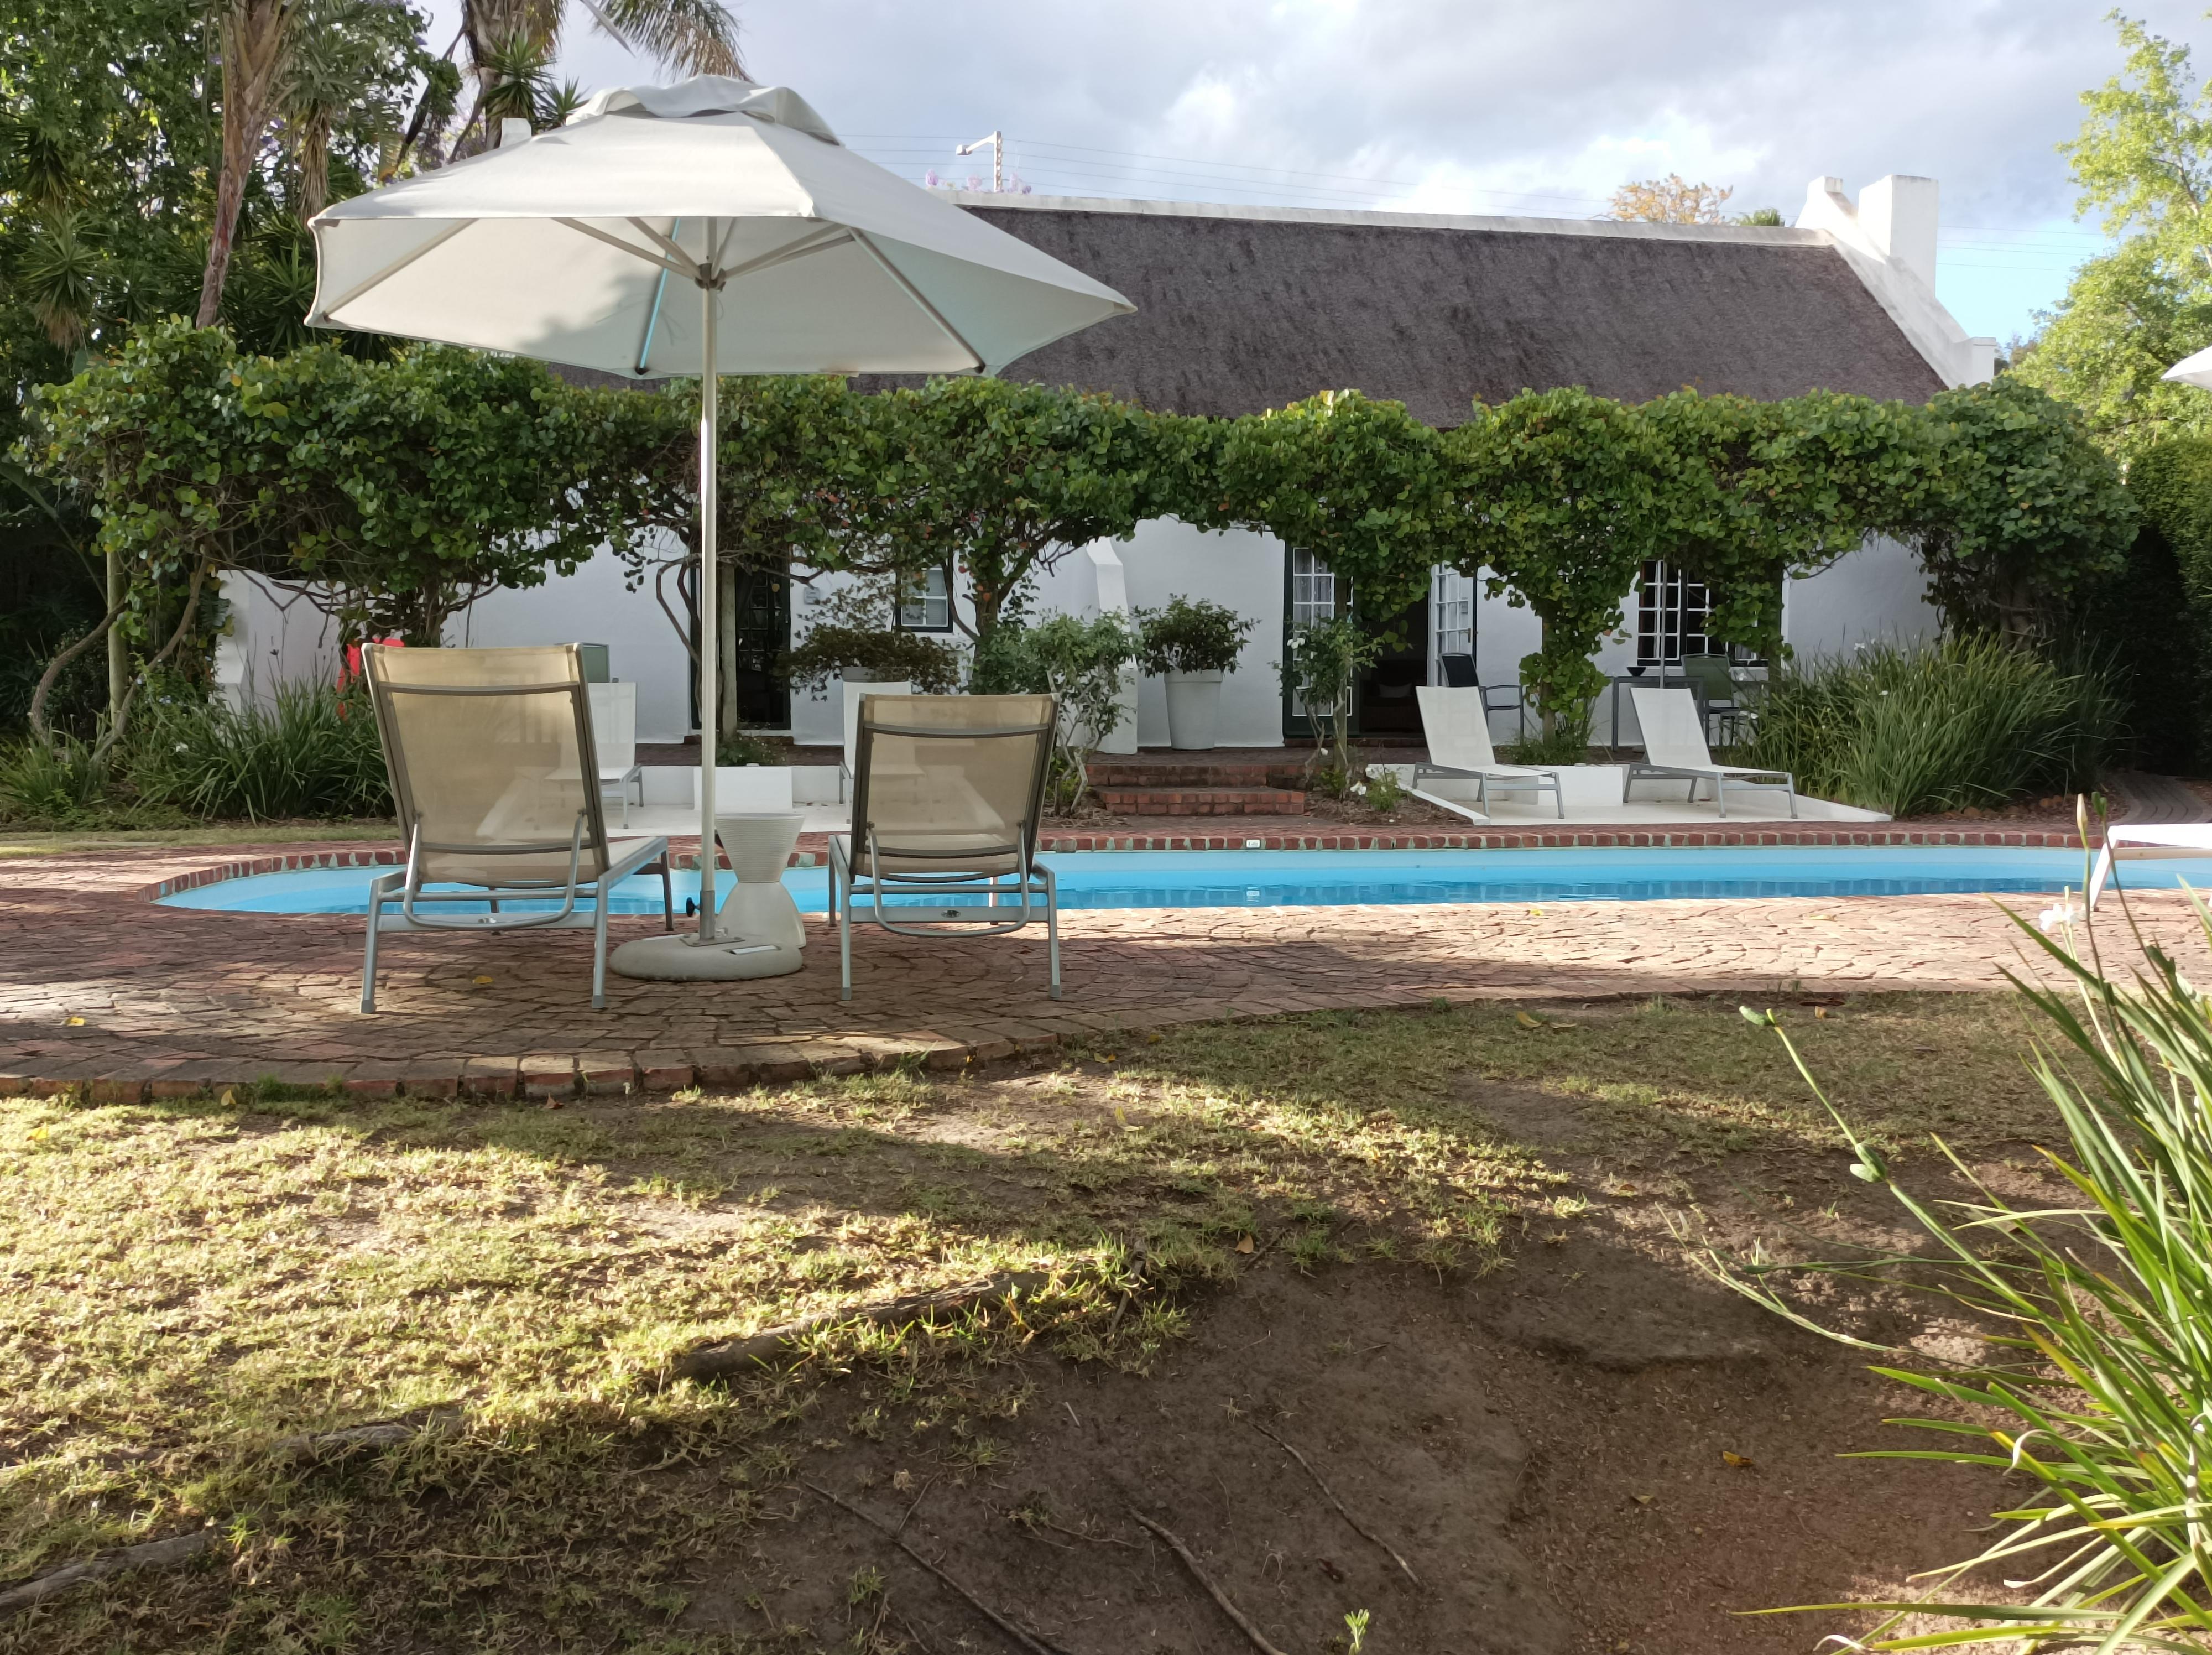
{"points": [[1313, 590], [1451, 609], [925, 602], [1670, 617], [1315, 595]]}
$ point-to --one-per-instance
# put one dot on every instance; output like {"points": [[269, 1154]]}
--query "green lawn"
{"points": [[183, 1285]]}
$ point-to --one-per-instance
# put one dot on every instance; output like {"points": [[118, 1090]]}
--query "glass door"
{"points": [[1312, 593], [1451, 619]]}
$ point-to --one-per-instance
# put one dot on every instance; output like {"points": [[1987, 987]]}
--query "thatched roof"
{"points": [[1240, 309]]}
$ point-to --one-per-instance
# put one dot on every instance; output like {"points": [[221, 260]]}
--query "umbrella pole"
{"points": [[710, 618], [707, 956]]}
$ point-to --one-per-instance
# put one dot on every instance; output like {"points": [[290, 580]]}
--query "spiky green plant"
{"points": [[310, 752], [1967, 721], [2102, 1377]]}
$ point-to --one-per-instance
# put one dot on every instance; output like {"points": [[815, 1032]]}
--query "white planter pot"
{"points": [[1194, 709], [747, 788]]}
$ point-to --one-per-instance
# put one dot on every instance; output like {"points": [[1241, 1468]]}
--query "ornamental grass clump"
{"points": [[2098, 1392], [312, 752], [1915, 730]]}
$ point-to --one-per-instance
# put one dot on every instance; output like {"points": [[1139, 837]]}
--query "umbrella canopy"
{"points": [[2192, 370], [576, 247], [561, 248]]}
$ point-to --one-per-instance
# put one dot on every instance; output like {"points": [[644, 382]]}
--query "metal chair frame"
{"points": [[406, 888], [1030, 880]]}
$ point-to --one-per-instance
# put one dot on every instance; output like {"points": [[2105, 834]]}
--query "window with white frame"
{"points": [[1670, 616], [925, 602], [1451, 610], [1315, 595], [1313, 590]]}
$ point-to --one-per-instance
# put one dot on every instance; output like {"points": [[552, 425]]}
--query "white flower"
{"points": [[2058, 916]]}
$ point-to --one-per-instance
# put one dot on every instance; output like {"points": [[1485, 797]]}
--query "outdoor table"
{"points": [[759, 908]]}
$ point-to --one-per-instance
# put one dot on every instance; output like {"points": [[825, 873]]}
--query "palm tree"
{"points": [[257, 38], [518, 39]]}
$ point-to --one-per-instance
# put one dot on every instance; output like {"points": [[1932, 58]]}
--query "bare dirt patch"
{"points": [[1593, 1449]]}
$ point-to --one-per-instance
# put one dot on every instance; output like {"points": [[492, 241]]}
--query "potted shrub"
{"points": [[1191, 644]]}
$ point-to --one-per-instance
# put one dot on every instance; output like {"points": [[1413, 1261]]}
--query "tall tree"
{"points": [[1670, 200], [2143, 161], [256, 38], [511, 46]]}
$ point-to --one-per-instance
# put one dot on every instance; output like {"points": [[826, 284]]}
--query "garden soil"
{"points": [[1595, 1448]]}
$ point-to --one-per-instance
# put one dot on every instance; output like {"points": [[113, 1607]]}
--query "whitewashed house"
{"points": [[1244, 308]]}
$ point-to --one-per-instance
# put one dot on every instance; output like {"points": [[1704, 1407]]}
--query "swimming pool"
{"points": [[1278, 879]]}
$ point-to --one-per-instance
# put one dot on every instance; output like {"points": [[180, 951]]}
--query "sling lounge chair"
{"points": [[946, 793], [496, 781], [1457, 723], [614, 737], [2171, 839], [1674, 751]]}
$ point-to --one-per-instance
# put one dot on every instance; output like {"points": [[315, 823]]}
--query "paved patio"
{"points": [[102, 989]]}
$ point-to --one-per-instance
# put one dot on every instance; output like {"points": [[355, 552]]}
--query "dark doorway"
{"points": [[1386, 705], [1382, 700], [756, 605]]}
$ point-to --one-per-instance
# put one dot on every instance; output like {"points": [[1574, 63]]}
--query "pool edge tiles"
{"points": [[1246, 879]]}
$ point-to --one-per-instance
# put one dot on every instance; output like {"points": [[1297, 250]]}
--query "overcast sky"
{"points": [[1471, 106]]}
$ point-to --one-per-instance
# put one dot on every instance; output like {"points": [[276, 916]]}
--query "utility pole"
{"points": [[998, 142]]}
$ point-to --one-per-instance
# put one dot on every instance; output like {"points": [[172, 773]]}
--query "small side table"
{"points": [[757, 932]]}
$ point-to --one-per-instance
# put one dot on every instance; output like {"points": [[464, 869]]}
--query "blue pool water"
{"points": [[1255, 879]]}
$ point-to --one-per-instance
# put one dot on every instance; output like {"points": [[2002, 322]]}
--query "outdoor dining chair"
{"points": [[1720, 698], [1460, 673], [496, 781], [947, 795]]}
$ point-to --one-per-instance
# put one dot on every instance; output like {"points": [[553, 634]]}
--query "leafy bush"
{"points": [[734, 748], [1385, 790], [1325, 657], [2102, 1380], [314, 752], [1081, 662], [1191, 636], [1969, 721], [931, 666]]}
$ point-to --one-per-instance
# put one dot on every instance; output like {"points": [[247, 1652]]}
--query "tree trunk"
{"points": [[119, 647], [255, 34]]}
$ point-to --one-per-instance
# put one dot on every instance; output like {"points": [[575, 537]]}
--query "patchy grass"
{"points": [[20, 841], [183, 1286]]}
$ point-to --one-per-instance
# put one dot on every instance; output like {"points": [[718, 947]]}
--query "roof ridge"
{"points": [[1636, 230]]}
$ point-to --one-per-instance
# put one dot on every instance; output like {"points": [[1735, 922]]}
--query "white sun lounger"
{"points": [[1458, 731], [1674, 751], [2173, 839]]}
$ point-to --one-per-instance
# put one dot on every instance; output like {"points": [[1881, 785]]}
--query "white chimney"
{"points": [[1899, 216], [1889, 238]]}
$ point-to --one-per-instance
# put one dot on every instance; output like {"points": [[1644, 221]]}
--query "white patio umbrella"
{"points": [[2192, 370], [805, 258]]}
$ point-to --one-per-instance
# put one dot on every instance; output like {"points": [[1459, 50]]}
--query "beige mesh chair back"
{"points": [[947, 791], [496, 780]]}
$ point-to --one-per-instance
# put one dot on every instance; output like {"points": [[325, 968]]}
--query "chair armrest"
{"points": [[633, 860]]}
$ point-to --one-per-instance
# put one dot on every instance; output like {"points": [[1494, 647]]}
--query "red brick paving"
{"points": [[178, 1001]]}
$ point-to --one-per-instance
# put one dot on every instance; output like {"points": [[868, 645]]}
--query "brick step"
{"points": [[1202, 801], [1276, 775]]}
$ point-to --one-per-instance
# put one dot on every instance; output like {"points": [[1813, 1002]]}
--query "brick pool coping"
{"points": [[108, 997]]}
